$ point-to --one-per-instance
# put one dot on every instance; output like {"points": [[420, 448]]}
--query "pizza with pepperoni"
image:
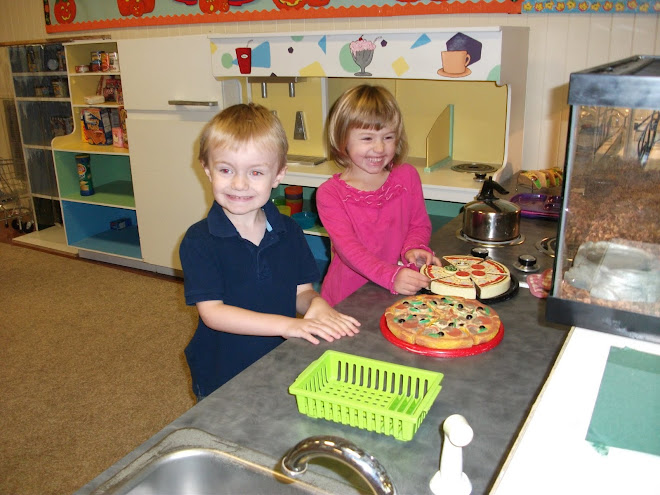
{"points": [[469, 277], [442, 322]]}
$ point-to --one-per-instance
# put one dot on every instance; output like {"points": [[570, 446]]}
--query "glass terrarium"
{"points": [[607, 265]]}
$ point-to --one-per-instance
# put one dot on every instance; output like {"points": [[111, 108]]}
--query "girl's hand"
{"points": [[409, 281], [420, 257]]}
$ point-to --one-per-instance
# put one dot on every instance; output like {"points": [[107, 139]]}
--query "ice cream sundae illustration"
{"points": [[363, 52]]}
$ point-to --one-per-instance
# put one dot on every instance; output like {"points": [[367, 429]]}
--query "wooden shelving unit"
{"points": [[87, 219]]}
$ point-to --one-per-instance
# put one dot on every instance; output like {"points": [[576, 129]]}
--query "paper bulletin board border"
{"points": [[591, 7], [86, 15]]}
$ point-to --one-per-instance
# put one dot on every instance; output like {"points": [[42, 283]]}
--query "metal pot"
{"points": [[489, 218]]}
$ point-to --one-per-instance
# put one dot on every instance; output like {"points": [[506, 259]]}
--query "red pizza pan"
{"points": [[443, 353]]}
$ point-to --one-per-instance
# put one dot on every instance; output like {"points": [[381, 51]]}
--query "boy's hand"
{"points": [[320, 319], [419, 257], [409, 281], [330, 322], [309, 329], [320, 310], [323, 321]]}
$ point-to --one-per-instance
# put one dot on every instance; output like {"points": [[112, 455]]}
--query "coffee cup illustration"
{"points": [[454, 63], [244, 57]]}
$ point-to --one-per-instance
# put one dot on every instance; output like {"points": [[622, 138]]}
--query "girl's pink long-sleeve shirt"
{"points": [[371, 230]]}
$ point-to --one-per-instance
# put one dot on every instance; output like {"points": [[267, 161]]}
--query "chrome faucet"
{"points": [[295, 461]]}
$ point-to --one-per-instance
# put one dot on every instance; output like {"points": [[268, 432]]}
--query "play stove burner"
{"points": [[512, 242], [478, 169], [547, 246]]}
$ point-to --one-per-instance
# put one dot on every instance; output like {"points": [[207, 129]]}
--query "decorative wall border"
{"points": [[85, 15], [591, 7], [88, 15]]}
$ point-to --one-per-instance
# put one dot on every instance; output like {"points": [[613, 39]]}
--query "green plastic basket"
{"points": [[365, 393]]}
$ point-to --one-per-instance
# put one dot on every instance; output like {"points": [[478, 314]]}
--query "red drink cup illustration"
{"points": [[244, 56]]}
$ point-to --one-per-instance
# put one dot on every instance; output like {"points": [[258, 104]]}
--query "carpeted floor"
{"points": [[91, 366]]}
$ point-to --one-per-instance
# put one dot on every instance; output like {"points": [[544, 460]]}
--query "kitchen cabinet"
{"points": [[44, 111], [168, 105], [89, 220]]}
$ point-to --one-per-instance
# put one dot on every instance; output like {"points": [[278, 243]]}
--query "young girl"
{"points": [[374, 210]]}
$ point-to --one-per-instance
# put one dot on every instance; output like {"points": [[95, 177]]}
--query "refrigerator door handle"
{"points": [[193, 103]]}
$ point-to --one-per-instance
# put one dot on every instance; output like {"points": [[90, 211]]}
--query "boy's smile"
{"points": [[242, 179]]}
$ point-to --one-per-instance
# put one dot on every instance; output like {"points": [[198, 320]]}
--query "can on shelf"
{"points": [[105, 62], [32, 64], [96, 60], [84, 174], [61, 59], [59, 88], [95, 56], [114, 61]]}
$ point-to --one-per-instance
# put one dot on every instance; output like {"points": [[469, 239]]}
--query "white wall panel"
{"points": [[534, 99], [645, 34], [599, 40], [555, 80], [621, 37]]}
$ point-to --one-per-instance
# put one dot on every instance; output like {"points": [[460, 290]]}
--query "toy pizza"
{"points": [[469, 277], [442, 322]]}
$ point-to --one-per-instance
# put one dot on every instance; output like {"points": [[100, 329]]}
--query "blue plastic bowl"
{"points": [[306, 219]]}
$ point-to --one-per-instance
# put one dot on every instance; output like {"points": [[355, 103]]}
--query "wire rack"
{"points": [[14, 195]]}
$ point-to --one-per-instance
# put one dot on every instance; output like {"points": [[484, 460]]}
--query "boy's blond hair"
{"points": [[364, 107], [243, 124]]}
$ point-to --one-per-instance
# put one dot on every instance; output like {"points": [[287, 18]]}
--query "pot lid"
{"points": [[495, 206], [487, 202]]}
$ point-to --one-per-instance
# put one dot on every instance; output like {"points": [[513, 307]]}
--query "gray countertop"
{"points": [[493, 390]]}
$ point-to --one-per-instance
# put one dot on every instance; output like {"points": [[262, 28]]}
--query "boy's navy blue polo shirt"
{"points": [[219, 265]]}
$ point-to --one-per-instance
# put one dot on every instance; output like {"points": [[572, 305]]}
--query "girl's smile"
{"points": [[370, 151]]}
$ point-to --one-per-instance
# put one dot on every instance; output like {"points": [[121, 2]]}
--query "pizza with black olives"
{"points": [[442, 322]]}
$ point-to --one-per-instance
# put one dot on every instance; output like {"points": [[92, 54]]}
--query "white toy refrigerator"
{"points": [[169, 95]]}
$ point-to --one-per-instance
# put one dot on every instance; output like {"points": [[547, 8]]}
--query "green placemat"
{"points": [[627, 411]]}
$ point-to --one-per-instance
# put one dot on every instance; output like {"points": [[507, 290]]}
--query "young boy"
{"points": [[246, 267]]}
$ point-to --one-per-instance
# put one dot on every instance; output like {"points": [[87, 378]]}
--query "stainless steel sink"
{"points": [[190, 461]]}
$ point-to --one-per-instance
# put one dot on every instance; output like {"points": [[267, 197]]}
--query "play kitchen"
{"points": [[391, 402], [421, 418], [469, 122], [426, 420]]}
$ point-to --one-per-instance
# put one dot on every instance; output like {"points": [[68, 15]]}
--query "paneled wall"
{"points": [[559, 44]]}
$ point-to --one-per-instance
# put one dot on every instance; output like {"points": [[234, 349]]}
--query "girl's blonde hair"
{"points": [[243, 124], [364, 107]]}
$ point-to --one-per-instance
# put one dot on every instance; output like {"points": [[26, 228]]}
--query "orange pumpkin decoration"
{"points": [[65, 11], [214, 6]]}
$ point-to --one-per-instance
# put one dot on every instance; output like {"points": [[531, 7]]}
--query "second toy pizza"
{"points": [[469, 276]]}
